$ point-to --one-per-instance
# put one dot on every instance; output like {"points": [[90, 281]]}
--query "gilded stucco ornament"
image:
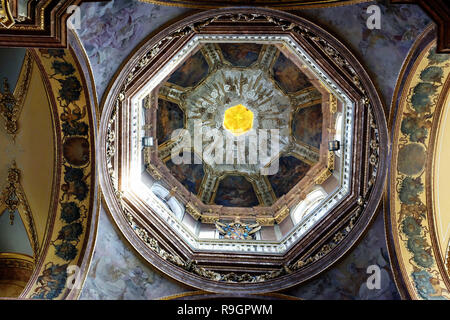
{"points": [[237, 230], [6, 17]]}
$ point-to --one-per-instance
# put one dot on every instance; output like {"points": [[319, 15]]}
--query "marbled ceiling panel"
{"points": [[117, 273], [400, 27], [110, 30], [347, 280]]}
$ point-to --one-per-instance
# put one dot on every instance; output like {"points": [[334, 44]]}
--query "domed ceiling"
{"points": [[218, 80], [226, 148]]}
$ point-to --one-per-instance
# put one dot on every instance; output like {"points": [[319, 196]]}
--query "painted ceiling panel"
{"points": [[291, 171], [191, 72], [190, 175], [236, 191], [242, 54], [442, 183], [33, 151], [239, 73], [418, 182], [288, 76], [12, 59], [307, 125], [170, 118]]}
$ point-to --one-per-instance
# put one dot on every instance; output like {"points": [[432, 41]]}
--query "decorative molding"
{"points": [[11, 104], [193, 267], [16, 260], [8, 108], [410, 217], [274, 4], [9, 196], [333, 104], [23, 83], [447, 259], [6, 17], [328, 171]]}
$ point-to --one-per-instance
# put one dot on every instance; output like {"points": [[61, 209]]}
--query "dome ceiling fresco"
{"points": [[222, 148], [272, 90]]}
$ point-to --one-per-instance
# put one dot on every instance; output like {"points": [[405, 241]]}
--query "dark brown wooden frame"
{"points": [[354, 213]]}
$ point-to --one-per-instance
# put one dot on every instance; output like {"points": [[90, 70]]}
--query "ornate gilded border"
{"points": [[203, 295]]}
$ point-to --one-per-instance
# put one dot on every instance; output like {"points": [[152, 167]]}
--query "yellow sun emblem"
{"points": [[238, 119]]}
